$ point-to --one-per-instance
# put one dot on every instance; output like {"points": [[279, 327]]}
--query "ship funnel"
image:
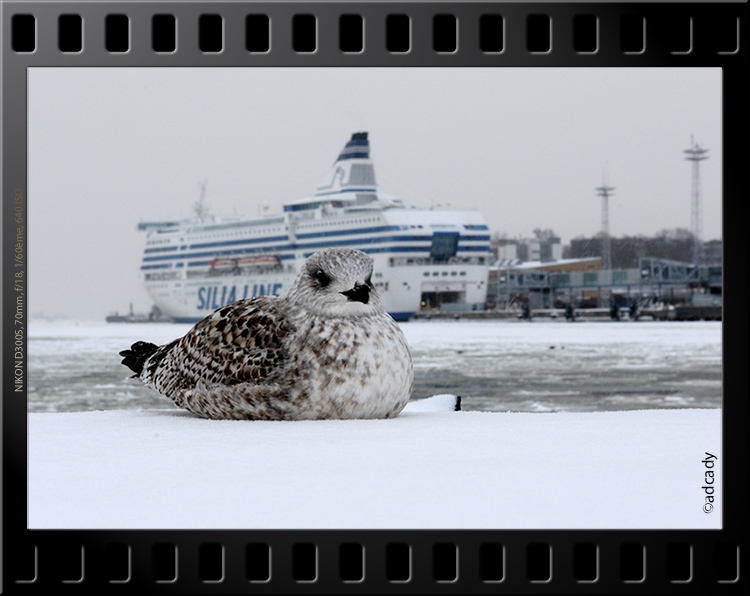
{"points": [[352, 171]]}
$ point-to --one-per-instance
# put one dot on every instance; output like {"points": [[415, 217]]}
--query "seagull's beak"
{"points": [[359, 293]]}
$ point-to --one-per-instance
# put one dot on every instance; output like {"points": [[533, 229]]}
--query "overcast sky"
{"points": [[526, 147]]}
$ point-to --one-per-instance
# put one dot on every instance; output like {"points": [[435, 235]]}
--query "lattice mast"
{"points": [[696, 154], [200, 208], [605, 192]]}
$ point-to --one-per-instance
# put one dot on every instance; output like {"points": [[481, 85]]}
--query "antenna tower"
{"points": [[605, 192], [696, 154], [201, 211]]}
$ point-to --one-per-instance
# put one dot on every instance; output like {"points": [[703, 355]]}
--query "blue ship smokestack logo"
{"points": [[352, 171], [357, 148]]}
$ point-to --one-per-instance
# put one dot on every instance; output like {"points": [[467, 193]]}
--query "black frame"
{"points": [[52, 558]]}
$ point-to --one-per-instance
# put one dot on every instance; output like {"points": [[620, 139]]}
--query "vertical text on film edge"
{"points": [[18, 287]]}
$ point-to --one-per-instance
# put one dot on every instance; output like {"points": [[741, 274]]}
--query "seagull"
{"points": [[325, 350]]}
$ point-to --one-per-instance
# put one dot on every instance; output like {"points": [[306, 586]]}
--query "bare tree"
{"points": [[544, 235]]}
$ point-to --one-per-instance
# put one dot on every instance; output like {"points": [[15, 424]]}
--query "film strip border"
{"points": [[341, 34], [359, 34], [396, 562]]}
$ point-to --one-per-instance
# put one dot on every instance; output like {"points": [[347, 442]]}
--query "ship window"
{"points": [[444, 246], [426, 273], [453, 273], [463, 273], [435, 274], [445, 273]]}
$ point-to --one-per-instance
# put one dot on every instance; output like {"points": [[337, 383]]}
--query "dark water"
{"points": [[541, 385], [558, 366], [495, 366]]}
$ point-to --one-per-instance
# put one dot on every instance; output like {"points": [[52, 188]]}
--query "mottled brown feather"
{"points": [[237, 344]]}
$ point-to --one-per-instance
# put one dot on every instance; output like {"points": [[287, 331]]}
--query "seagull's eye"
{"points": [[322, 278]]}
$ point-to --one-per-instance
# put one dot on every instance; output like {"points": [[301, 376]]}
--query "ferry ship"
{"points": [[425, 258]]}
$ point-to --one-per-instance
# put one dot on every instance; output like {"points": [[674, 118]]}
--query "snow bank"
{"points": [[427, 468]]}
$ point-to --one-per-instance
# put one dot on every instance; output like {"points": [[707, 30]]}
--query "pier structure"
{"points": [[655, 281]]}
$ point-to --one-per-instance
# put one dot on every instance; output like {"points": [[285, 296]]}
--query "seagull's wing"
{"points": [[244, 342]]}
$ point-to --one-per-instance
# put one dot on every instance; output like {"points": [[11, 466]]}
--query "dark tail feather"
{"points": [[137, 354]]}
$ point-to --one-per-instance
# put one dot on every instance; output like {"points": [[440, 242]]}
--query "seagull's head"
{"points": [[337, 282]]}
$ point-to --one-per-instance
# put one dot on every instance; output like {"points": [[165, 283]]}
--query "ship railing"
{"points": [[237, 271], [161, 276], [422, 261]]}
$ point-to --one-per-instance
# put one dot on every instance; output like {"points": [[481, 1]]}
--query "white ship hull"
{"points": [[402, 291], [424, 258]]}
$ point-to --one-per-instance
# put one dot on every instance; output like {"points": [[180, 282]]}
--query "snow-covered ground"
{"points": [[427, 468]]}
